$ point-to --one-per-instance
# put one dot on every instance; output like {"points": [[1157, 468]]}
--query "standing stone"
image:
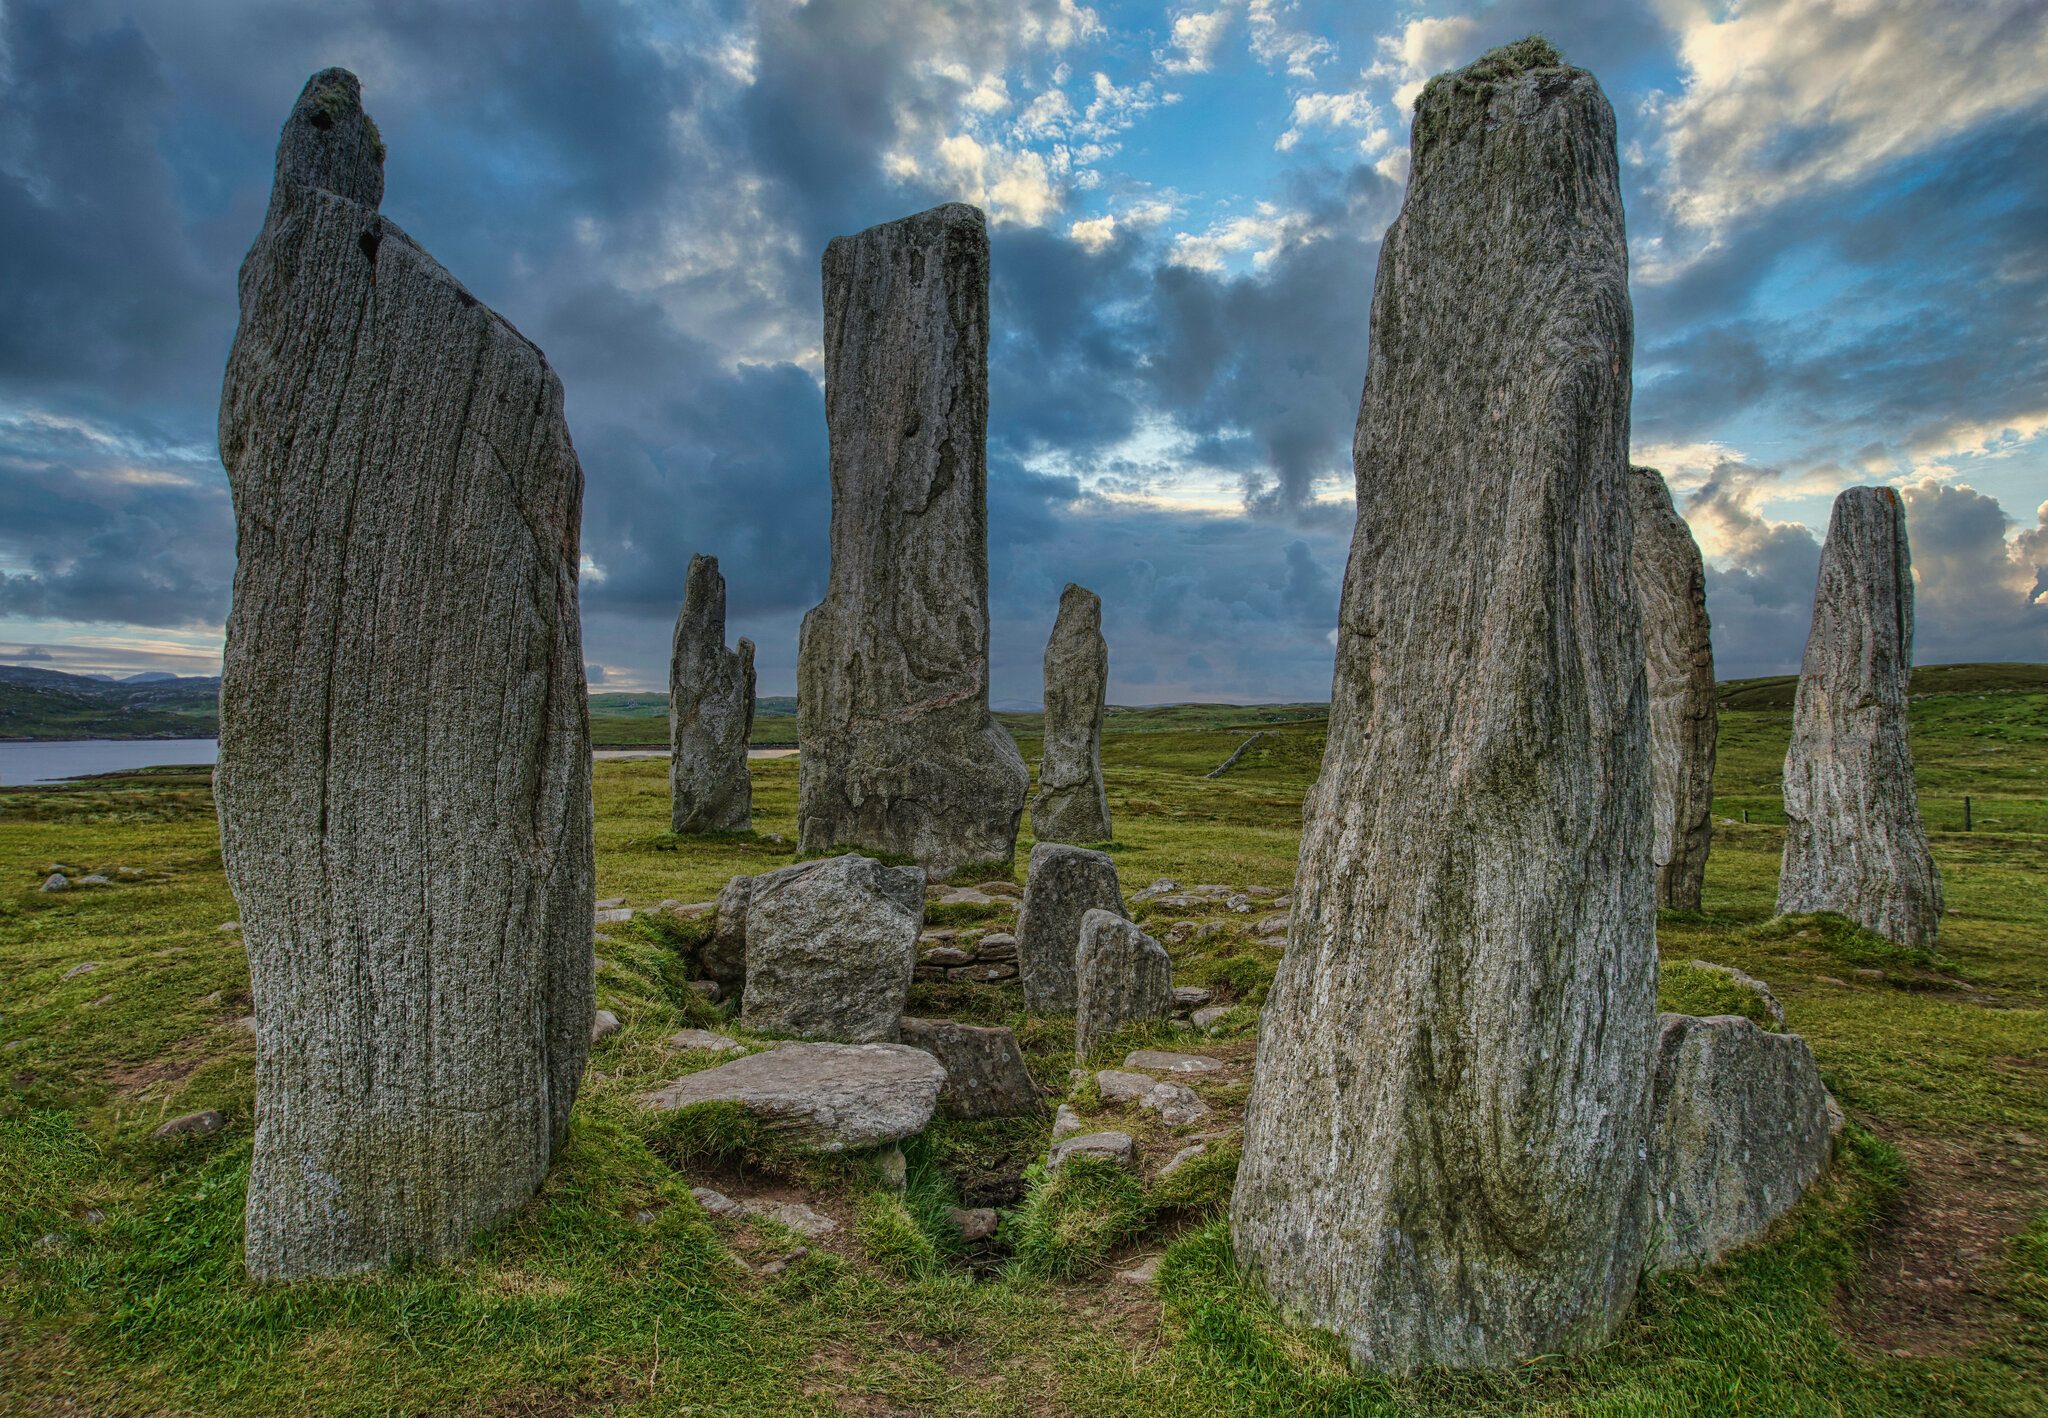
{"points": [[1071, 806], [1741, 1127], [900, 754], [1062, 885], [710, 712], [1442, 1153], [1853, 838], [404, 779], [830, 949], [1678, 655], [1124, 977]]}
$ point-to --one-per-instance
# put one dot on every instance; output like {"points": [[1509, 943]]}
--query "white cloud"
{"points": [[1093, 233], [1423, 49], [1275, 43], [1784, 96], [1265, 234], [1193, 41], [1332, 112]]}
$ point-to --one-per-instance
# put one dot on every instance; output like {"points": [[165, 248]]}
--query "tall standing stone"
{"points": [[1854, 842], [1062, 885], [710, 712], [404, 778], [900, 754], [1442, 1154], [1678, 654], [1071, 806]]}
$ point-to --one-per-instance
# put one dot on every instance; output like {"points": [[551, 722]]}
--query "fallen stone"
{"points": [[1162, 887], [1209, 1016], [403, 719], [1242, 905], [1189, 996], [603, 1024], [794, 1214], [830, 1097], [710, 712], [1166, 1061], [93, 879], [191, 1125], [1119, 1086], [1008, 889], [55, 881], [996, 946], [1066, 1122], [608, 903], [703, 1041], [1143, 1273], [1474, 879], [1273, 925], [985, 1072], [974, 1223], [945, 895], [1062, 885], [1181, 1159], [1678, 655], [900, 752], [1071, 806], [229, 927], [1742, 1126], [1125, 978], [830, 949], [945, 955], [709, 989], [1116, 1147], [892, 1168], [1751, 983], [1175, 1103], [986, 972], [770, 1269], [1854, 842], [83, 967], [716, 1203], [615, 916]]}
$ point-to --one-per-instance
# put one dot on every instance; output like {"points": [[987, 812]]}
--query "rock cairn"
{"points": [[1124, 977], [404, 778], [1678, 655], [710, 712], [900, 753], [1443, 1141], [1061, 886], [1854, 842], [1071, 806], [830, 946]]}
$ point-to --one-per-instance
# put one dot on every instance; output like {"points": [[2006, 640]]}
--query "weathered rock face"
{"points": [[830, 949], [404, 779], [1061, 886], [899, 751], [1853, 837], [710, 712], [830, 1097], [1678, 656], [985, 1072], [1125, 977], [1070, 806], [1442, 1144], [724, 956], [1742, 1127]]}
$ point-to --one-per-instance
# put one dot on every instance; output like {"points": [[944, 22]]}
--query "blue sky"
{"points": [[1838, 219]]}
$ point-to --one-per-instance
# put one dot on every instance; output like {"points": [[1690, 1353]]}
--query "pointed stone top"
{"points": [[1452, 102], [704, 587], [1076, 594], [329, 143]]}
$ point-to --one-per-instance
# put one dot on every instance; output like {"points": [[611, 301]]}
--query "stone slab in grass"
{"points": [[831, 1097]]}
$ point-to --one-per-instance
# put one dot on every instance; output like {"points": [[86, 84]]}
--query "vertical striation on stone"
{"points": [[710, 712], [900, 753], [1442, 1155], [404, 779], [1061, 885], [1123, 976], [1678, 655], [831, 946], [1854, 842], [1071, 806]]}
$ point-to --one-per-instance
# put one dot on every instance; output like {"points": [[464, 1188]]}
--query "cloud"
{"points": [[1977, 593], [1276, 43], [1334, 112], [1191, 46]]}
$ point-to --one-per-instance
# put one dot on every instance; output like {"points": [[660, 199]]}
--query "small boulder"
{"points": [[1181, 1159], [1189, 996], [830, 1097], [985, 1072], [1061, 886], [608, 903], [55, 881], [724, 955], [617, 915], [1209, 1016], [191, 1125], [1175, 1103], [94, 879], [1125, 976], [1143, 1273], [702, 1040], [1162, 887], [603, 1025], [975, 1223], [716, 1203], [997, 945], [1166, 1061], [830, 949], [1066, 1122], [1741, 1126], [945, 955], [83, 967], [1117, 1147], [1271, 927]]}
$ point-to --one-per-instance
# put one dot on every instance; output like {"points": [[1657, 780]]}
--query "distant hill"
{"points": [[1776, 691], [50, 704]]}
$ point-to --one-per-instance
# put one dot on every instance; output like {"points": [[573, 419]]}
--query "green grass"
{"points": [[121, 1289]]}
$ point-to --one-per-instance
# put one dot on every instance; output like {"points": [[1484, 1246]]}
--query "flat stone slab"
{"points": [[1166, 1061], [832, 1097], [1114, 1147], [1175, 1103], [704, 1040]]}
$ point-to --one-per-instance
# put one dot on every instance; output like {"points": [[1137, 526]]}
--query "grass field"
{"points": [[1913, 1281]]}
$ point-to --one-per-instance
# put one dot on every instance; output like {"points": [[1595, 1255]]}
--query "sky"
{"points": [[1838, 223]]}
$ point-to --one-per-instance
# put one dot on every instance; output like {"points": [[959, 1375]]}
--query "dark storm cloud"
{"points": [[1977, 593]]}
